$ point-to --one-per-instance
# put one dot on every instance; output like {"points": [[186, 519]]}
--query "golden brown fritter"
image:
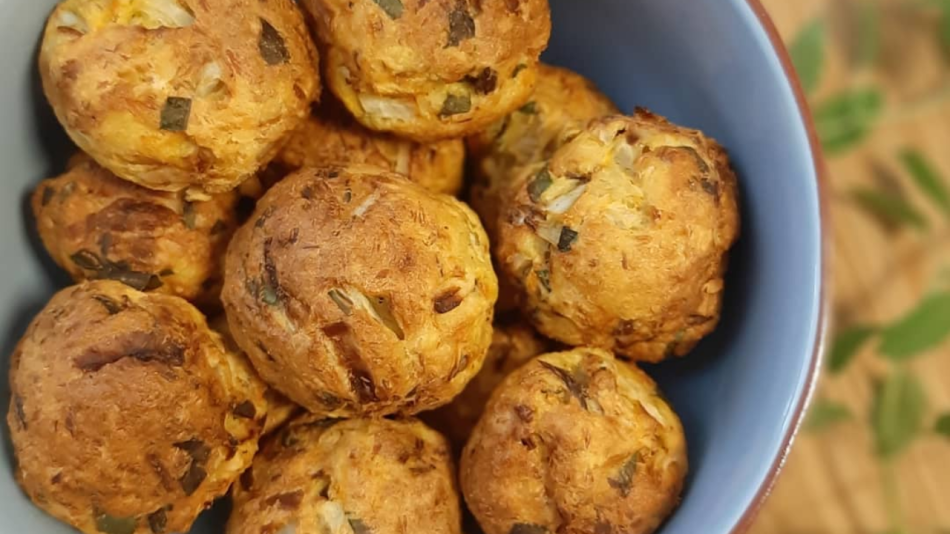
{"points": [[357, 292], [329, 476], [620, 241], [560, 108], [512, 345], [431, 69], [98, 226], [179, 94], [128, 414], [280, 410], [575, 443], [331, 135]]}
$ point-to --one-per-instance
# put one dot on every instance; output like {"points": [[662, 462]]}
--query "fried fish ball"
{"points": [[349, 477], [357, 292], [575, 443], [621, 240], [280, 410], [179, 94], [431, 69], [128, 415], [98, 226], [560, 108], [512, 345], [331, 135]]}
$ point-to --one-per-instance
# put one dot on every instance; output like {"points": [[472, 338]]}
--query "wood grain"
{"points": [[833, 483]]}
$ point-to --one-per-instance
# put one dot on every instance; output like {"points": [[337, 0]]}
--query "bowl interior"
{"points": [[708, 65]]}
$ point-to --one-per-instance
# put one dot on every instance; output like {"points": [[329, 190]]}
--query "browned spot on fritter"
{"points": [[485, 82], [361, 380], [142, 346], [447, 301], [245, 409], [525, 413], [247, 479], [19, 410], [156, 464]]}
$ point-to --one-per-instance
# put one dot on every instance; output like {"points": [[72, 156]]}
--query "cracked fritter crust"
{"points": [[575, 443], [512, 345], [620, 241], [357, 292], [328, 476], [96, 225], [128, 415], [179, 94], [431, 69], [332, 136], [560, 107]]}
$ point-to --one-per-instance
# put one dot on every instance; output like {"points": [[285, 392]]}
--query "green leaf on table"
{"points": [[898, 413], [846, 345], [942, 426], [808, 54], [868, 33], [927, 178], [943, 6], [845, 119], [892, 210], [945, 26], [824, 414], [924, 328]]}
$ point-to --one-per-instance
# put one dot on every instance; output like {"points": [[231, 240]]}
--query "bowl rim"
{"points": [[825, 290]]}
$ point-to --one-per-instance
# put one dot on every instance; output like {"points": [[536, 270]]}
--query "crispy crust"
{"points": [[512, 345], [575, 443], [332, 136], [127, 411], [355, 291], [431, 69], [560, 107], [280, 409], [96, 225], [620, 241], [361, 476], [173, 94]]}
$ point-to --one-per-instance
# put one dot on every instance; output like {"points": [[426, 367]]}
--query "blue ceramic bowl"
{"points": [[716, 65]]}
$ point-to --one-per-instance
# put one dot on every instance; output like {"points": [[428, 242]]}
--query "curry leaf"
{"points": [[945, 26], [924, 328], [942, 426], [846, 345], [846, 118], [868, 33], [824, 414], [898, 412], [393, 8], [927, 178], [115, 525], [808, 54], [892, 210]]}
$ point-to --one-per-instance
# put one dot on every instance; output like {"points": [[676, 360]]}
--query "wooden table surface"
{"points": [[834, 482]]}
